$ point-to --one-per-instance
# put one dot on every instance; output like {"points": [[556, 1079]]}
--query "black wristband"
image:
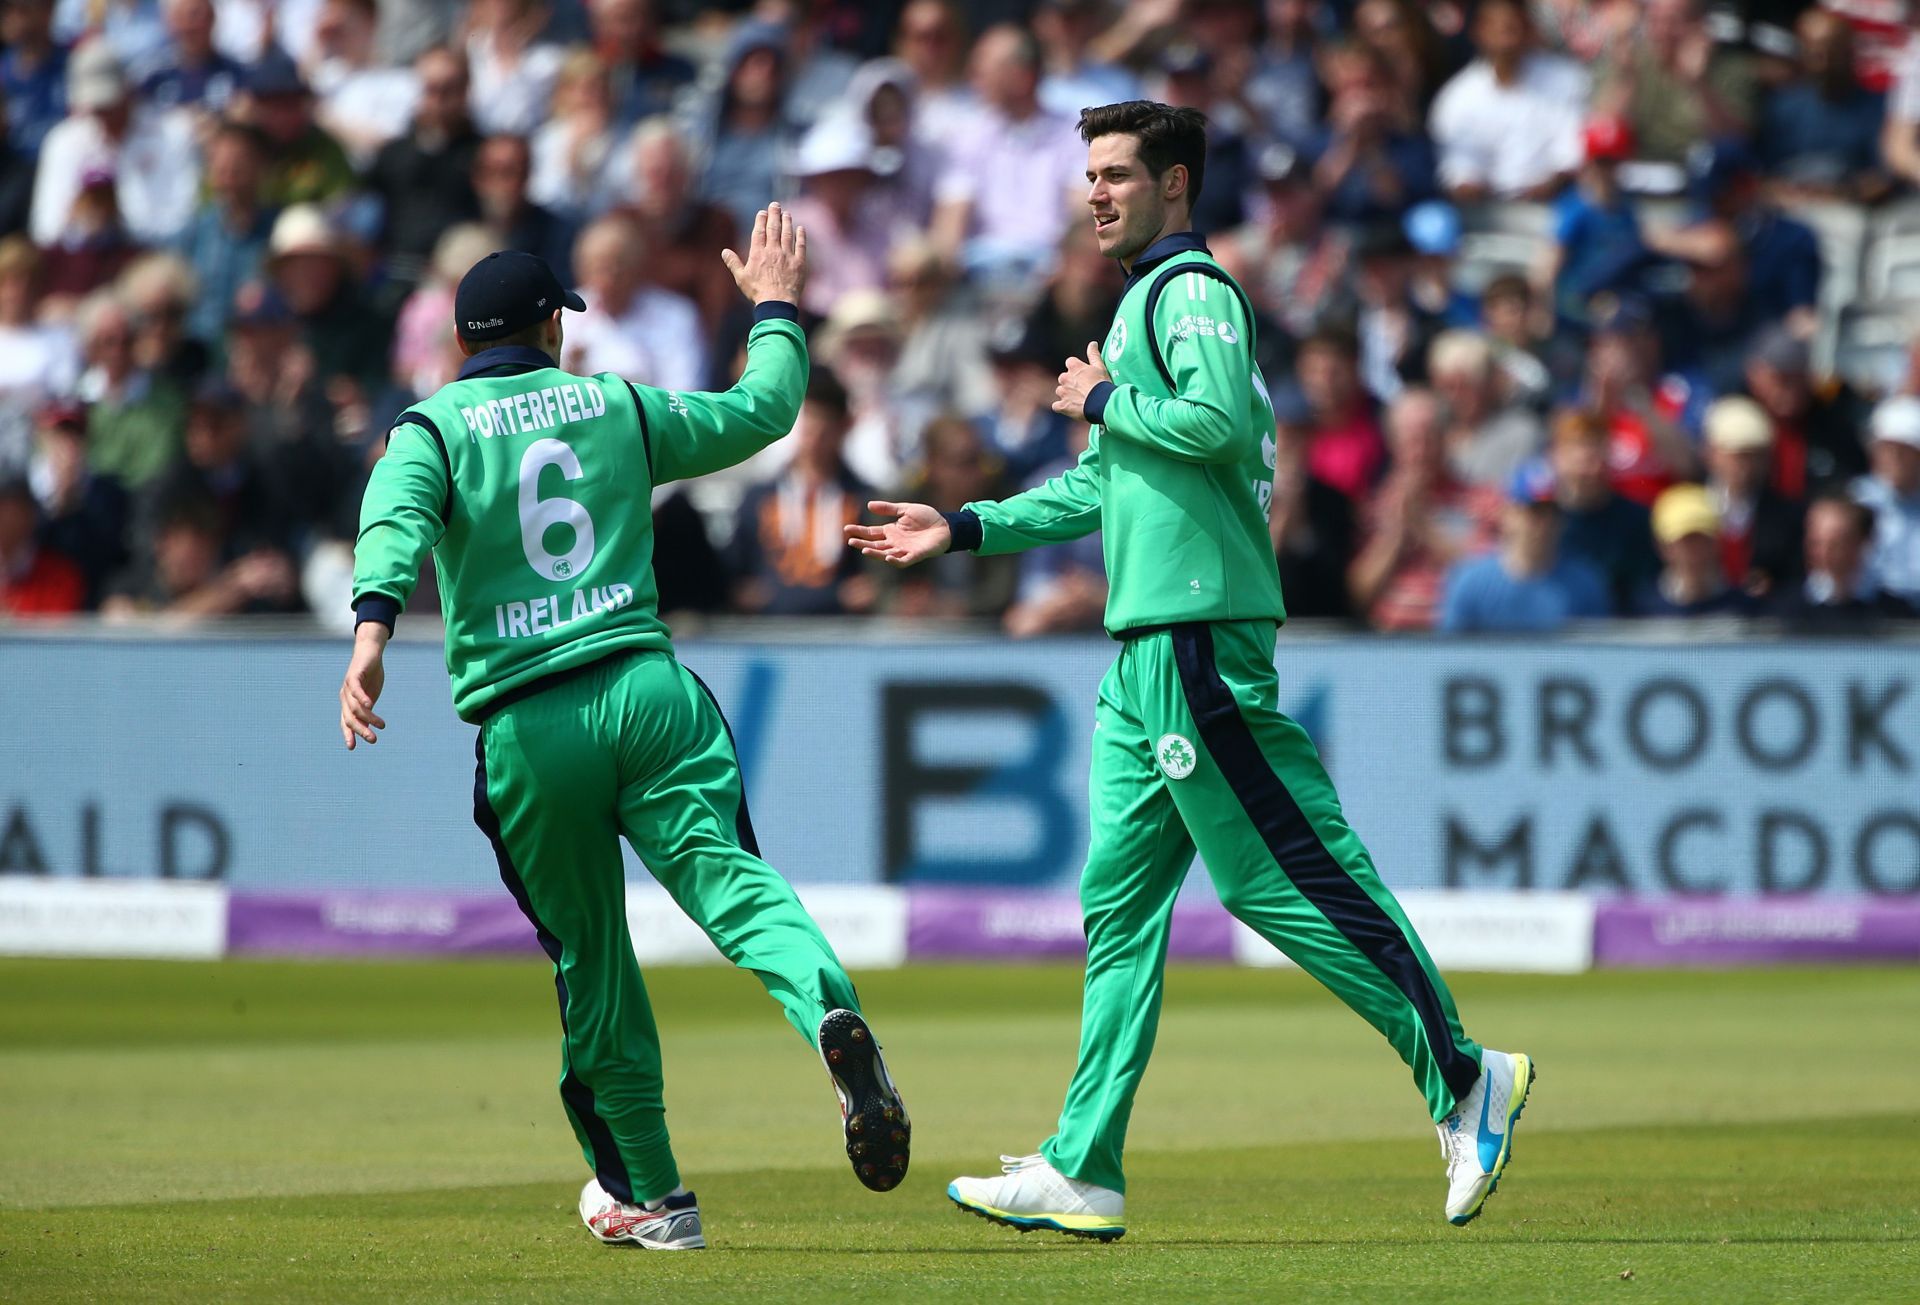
{"points": [[377, 608], [965, 529], [775, 310], [1096, 404]]}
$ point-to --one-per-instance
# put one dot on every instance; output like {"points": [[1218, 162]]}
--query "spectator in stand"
{"points": [[157, 288], [225, 241], [933, 43], [860, 344], [788, 556], [1692, 580], [289, 419], [1188, 78], [426, 354], [647, 78], [1816, 425], [881, 95], [364, 102], [1435, 231], [1345, 449], [182, 575], [37, 362], [1709, 328], [84, 515], [305, 165], [1508, 124], [1080, 298], [500, 173], [1782, 262], [818, 72], [191, 73], [685, 234], [634, 329], [1403, 33], [512, 64], [575, 150], [955, 469], [1841, 592], [943, 364], [1648, 450], [1394, 330], [1507, 316], [1486, 435], [1063, 587], [219, 467], [1893, 492], [33, 73], [742, 128], [1596, 235], [1611, 533], [148, 153], [1310, 521], [425, 178], [1422, 521], [1014, 174], [133, 419], [1529, 585], [34, 580], [1759, 530], [1370, 162], [1074, 78], [309, 267], [1674, 85], [849, 228], [1284, 86], [1819, 136], [1022, 429], [1301, 263], [93, 244]]}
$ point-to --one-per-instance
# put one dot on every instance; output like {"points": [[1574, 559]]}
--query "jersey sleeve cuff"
{"points": [[775, 310], [967, 532], [1096, 404], [377, 608]]}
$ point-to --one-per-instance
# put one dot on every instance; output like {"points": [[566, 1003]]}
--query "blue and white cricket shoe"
{"points": [[1477, 1138], [1030, 1193]]}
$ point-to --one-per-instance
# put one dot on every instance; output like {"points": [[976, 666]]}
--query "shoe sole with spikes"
{"points": [[878, 1132]]}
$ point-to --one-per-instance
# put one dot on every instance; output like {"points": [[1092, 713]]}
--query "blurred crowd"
{"points": [[1549, 294]]}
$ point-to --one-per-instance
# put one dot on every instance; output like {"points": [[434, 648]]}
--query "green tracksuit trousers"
{"points": [[1190, 751], [634, 745]]}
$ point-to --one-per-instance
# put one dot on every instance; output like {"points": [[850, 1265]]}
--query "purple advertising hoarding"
{"points": [[1647, 932]]}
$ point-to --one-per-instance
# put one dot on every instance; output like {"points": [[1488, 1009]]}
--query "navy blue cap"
{"points": [[1715, 165], [273, 74], [507, 292]]}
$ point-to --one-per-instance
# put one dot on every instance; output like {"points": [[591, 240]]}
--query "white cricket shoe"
{"points": [[1031, 1193], [1477, 1138], [671, 1223]]}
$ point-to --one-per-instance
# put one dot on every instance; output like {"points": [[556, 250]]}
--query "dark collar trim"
{"points": [[507, 360], [1180, 242]]}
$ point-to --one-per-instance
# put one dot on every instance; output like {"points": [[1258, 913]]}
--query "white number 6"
{"points": [[538, 515]]}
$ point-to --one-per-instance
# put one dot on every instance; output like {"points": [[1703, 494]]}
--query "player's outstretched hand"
{"points": [[776, 262], [916, 533], [1077, 382], [366, 676]]}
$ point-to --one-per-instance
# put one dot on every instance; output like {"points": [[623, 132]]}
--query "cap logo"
{"points": [[487, 325], [541, 304]]}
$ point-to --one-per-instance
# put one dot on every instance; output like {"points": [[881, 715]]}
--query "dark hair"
{"points": [[1167, 135], [1335, 336], [1507, 285], [825, 391]]}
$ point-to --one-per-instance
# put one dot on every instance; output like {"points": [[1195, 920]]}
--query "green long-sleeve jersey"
{"points": [[531, 486], [1179, 469]]}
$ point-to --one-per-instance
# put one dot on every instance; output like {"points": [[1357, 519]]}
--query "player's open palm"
{"points": [[916, 533], [776, 263]]}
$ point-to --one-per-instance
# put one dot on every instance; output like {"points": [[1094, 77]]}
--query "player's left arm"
{"points": [[402, 516], [1209, 357]]}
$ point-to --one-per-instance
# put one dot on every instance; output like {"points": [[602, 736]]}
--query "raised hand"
{"points": [[776, 262], [916, 533]]}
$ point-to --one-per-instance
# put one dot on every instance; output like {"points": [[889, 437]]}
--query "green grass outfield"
{"points": [[390, 1132]]}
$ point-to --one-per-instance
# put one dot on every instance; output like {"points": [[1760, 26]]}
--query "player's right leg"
{"points": [[683, 807], [544, 794], [1140, 853]]}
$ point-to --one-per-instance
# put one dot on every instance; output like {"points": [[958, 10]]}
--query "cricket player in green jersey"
{"points": [[1190, 750], [530, 486]]}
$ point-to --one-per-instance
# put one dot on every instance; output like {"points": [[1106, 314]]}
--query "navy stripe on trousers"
{"points": [[1302, 857], [742, 822], [608, 1166]]}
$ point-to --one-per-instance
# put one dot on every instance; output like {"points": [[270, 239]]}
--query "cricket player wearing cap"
{"points": [[530, 486], [1190, 749]]}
